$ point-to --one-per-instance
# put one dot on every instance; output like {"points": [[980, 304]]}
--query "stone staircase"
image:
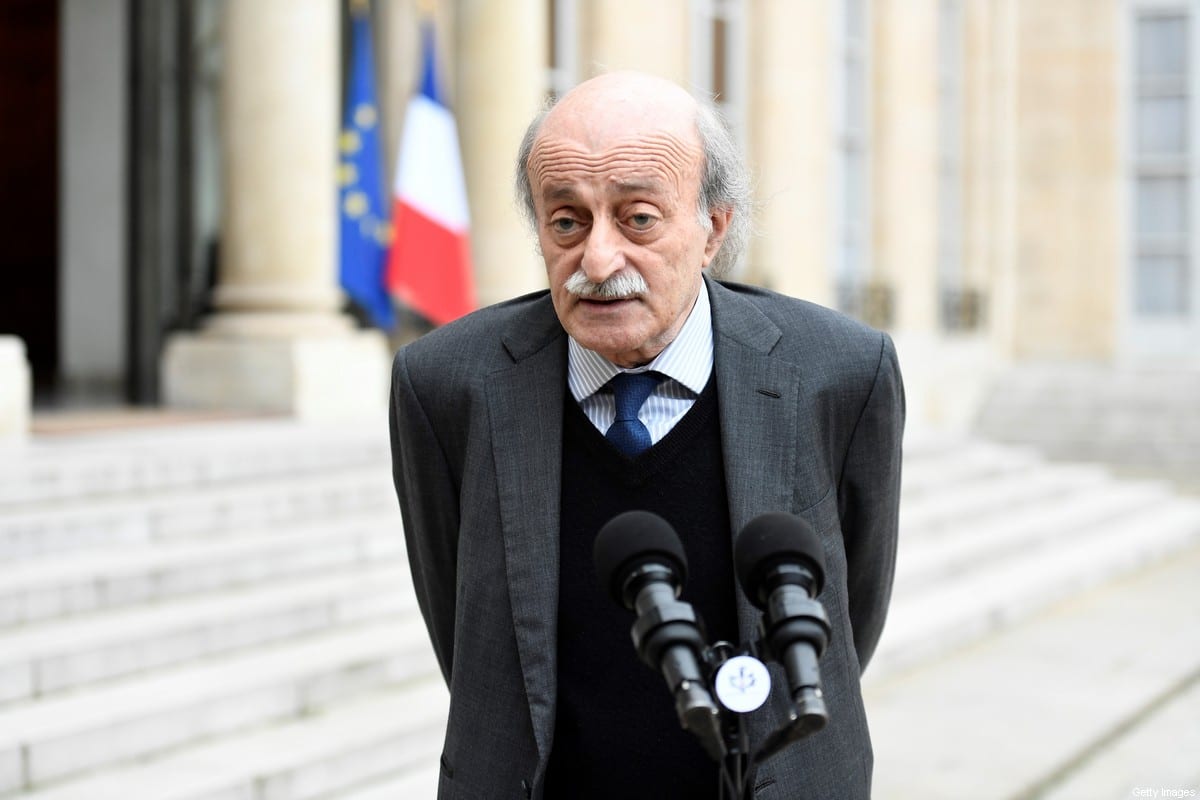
{"points": [[210, 612], [990, 534], [1140, 421], [224, 610]]}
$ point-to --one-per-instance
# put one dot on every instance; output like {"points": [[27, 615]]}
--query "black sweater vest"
{"points": [[616, 731]]}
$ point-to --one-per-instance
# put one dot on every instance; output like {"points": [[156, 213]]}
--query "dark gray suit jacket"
{"points": [[811, 414]]}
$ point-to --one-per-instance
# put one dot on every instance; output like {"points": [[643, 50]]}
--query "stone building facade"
{"points": [[996, 182]]}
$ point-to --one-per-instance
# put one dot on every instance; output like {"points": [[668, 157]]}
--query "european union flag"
{"points": [[366, 230]]}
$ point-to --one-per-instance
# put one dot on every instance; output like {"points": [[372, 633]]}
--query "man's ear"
{"points": [[719, 219]]}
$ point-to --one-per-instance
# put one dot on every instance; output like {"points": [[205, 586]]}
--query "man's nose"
{"points": [[603, 252]]}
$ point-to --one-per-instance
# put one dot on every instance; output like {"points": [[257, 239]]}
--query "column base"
{"points": [[946, 378], [16, 394], [308, 376]]}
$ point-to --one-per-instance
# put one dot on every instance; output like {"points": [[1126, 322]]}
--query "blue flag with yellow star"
{"points": [[365, 228]]}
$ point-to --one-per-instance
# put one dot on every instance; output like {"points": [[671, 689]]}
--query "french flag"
{"points": [[429, 266]]}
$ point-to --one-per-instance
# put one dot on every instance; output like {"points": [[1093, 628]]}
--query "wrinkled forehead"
{"points": [[654, 161], [617, 144]]}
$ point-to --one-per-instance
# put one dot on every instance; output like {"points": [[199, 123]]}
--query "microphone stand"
{"points": [[738, 765], [735, 775]]}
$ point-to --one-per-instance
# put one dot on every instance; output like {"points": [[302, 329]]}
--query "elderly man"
{"points": [[636, 382]]}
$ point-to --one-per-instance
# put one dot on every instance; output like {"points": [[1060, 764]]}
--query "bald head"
{"points": [[635, 107], [621, 106]]}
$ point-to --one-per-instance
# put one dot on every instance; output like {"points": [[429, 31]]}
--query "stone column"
{"points": [[278, 341], [905, 158], [635, 34], [990, 159], [501, 82], [1068, 172], [790, 143], [16, 394]]}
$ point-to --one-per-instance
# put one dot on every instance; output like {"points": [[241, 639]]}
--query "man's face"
{"points": [[611, 201]]}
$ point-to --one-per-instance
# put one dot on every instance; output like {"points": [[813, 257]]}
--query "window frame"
{"points": [[1145, 336]]}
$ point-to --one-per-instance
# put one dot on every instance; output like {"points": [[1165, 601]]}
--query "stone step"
{"points": [[958, 609], [1024, 531], [1104, 441], [41, 660], [1156, 409], [388, 740], [56, 738], [49, 529], [153, 572], [141, 461], [421, 782], [1077, 424], [1093, 687], [922, 442], [966, 462], [963, 503], [1137, 420]]}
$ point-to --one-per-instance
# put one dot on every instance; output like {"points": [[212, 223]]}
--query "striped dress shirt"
{"points": [[687, 363]]}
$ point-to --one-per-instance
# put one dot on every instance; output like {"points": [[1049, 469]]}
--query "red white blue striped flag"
{"points": [[429, 267]]}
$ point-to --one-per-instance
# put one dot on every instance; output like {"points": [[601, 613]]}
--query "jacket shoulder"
{"points": [[482, 340], [810, 331]]}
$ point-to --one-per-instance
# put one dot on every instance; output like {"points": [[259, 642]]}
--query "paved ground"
{"points": [[1098, 697], [70, 421]]}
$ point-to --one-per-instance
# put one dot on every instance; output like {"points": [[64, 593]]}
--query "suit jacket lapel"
{"points": [[758, 410], [525, 401]]}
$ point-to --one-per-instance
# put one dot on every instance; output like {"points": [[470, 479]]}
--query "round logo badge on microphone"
{"points": [[743, 684]]}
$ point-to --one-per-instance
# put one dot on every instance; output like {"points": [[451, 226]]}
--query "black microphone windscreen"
{"points": [[772, 539], [630, 540]]}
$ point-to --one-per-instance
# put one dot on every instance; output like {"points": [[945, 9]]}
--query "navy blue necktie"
{"points": [[627, 432]]}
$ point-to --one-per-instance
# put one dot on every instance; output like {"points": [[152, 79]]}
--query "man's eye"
{"points": [[641, 221], [563, 224]]}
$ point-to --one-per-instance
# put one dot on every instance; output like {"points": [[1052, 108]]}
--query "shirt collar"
{"points": [[688, 359]]}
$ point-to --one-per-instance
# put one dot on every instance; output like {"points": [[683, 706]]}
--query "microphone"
{"points": [[781, 567], [641, 564]]}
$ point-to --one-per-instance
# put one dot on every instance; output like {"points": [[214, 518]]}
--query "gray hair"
{"points": [[724, 184]]}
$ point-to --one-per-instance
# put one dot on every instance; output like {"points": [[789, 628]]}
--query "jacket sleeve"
{"points": [[869, 502], [428, 495]]}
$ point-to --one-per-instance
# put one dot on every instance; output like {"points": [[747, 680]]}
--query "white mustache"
{"points": [[624, 284]]}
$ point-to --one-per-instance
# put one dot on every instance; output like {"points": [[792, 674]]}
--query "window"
{"points": [[1163, 183], [960, 306], [853, 212], [718, 56]]}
